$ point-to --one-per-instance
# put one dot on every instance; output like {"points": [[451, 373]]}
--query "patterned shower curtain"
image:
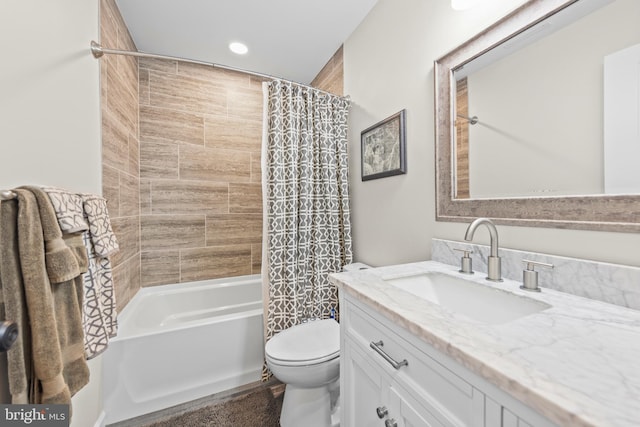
{"points": [[307, 227]]}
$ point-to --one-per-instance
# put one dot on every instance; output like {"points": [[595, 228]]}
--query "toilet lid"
{"points": [[313, 341]]}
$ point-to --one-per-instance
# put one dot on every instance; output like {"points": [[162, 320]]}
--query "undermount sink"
{"points": [[470, 299]]}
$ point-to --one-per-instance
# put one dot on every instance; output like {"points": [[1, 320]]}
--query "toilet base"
{"points": [[309, 407]]}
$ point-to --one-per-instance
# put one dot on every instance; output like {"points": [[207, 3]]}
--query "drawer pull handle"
{"points": [[391, 423], [397, 365], [382, 411]]}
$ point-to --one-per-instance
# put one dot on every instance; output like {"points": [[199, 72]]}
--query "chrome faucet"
{"points": [[493, 262]]}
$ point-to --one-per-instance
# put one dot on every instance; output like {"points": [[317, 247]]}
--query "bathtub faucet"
{"points": [[493, 261]]}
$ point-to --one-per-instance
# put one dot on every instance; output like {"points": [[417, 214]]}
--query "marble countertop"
{"points": [[577, 363]]}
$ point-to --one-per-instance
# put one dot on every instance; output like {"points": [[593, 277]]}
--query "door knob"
{"points": [[8, 335], [382, 411]]}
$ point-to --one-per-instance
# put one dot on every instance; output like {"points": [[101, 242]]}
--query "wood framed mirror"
{"points": [[588, 210]]}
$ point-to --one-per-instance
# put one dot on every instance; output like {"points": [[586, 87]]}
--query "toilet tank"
{"points": [[355, 266]]}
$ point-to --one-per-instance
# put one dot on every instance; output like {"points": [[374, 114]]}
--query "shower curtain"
{"points": [[306, 226]]}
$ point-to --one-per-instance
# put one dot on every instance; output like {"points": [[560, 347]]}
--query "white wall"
{"points": [[49, 94], [388, 64], [50, 114]]}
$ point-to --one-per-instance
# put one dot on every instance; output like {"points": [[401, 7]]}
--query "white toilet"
{"points": [[306, 357]]}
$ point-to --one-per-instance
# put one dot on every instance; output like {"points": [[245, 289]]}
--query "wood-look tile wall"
{"points": [[181, 164], [120, 149], [200, 184], [462, 140], [331, 77]]}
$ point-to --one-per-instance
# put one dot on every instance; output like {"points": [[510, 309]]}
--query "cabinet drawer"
{"points": [[445, 395]]}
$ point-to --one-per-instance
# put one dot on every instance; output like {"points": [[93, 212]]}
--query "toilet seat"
{"points": [[308, 343], [305, 362]]}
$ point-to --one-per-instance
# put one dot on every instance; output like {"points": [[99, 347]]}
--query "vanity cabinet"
{"points": [[429, 389], [374, 399]]}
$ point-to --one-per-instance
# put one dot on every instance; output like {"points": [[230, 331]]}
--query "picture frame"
{"points": [[383, 151]]}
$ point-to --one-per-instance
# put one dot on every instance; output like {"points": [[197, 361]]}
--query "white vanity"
{"points": [[412, 360], [425, 345]]}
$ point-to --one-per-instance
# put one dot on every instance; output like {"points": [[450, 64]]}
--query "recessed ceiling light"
{"points": [[239, 48]]}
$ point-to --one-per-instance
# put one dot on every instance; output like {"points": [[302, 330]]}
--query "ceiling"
{"points": [[290, 39]]}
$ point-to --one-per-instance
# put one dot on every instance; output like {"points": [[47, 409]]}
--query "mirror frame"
{"points": [[620, 213]]}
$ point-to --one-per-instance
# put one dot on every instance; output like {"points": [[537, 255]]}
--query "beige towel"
{"points": [[14, 303], [66, 260], [51, 271]]}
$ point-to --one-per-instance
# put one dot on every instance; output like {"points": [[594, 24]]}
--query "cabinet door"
{"points": [[407, 412], [363, 389], [509, 419], [499, 416]]}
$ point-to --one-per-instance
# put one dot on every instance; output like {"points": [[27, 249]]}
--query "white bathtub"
{"points": [[177, 343]]}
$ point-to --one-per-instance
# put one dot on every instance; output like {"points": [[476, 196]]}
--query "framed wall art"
{"points": [[384, 148]]}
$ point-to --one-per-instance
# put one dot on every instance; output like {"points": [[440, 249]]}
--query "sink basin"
{"points": [[470, 299]]}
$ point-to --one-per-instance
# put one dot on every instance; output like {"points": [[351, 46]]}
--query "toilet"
{"points": [[306, 357]]}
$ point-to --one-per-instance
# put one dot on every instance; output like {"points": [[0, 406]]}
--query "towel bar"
{"points": [[7, 195]]}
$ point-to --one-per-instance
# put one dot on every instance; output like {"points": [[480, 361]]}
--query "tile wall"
{"points": [[181, 164], [200, 184], [120, 149], [331, 77]]}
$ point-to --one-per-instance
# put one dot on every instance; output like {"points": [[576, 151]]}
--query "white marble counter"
{"points": [[577, 363]]}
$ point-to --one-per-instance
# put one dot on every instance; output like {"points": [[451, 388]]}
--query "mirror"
{"points": [[526, 132]]}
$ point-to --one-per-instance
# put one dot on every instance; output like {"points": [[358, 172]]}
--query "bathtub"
{"points": [[177, 343]]}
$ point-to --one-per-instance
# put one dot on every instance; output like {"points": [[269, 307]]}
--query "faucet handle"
{"points": [[530, 276], [465, 261]]}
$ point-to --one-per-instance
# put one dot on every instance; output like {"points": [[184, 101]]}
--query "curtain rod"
{"points": [[98, 51], [473, 120]]}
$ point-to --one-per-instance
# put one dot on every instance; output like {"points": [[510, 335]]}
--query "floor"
{"points": [[254, 405]]}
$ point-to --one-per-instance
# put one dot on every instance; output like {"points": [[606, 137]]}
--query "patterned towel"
{"points": [[99, 305], [102, 236], [99, 314], [69, 210]]}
